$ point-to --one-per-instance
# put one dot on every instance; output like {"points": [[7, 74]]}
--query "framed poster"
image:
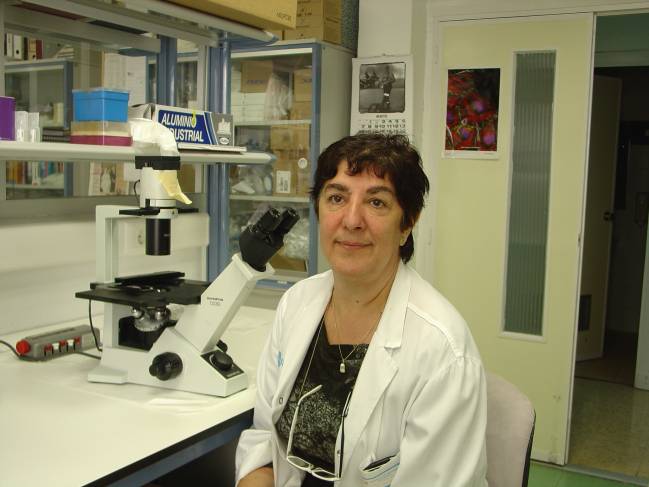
{"points": [[382, 95], [472, 102]]}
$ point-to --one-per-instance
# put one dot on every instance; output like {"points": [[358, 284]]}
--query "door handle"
{"points": [[609, 216]]}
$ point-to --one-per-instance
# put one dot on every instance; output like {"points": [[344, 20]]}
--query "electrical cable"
{"points": [[16, 353], [137, 196], [92, 328], [89, 355]]}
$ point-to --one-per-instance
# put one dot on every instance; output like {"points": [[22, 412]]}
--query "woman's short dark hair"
{"points": [[389, 156]]}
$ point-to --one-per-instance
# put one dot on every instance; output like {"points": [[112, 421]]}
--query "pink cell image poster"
{"points": [[472, 110]]}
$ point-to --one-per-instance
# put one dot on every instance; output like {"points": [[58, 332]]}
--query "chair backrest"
{"points": [[510, 429]]}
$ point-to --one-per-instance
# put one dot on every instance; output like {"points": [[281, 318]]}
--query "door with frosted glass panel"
{"points": [[509, 209]]}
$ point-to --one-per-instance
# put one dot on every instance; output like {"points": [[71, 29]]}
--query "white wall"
{"points": [[384, 27], [44, 264], [401, 28]]}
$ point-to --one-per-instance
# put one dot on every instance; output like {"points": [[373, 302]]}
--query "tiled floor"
{"points": [[610, 428], [544, 476], [618, 362]]}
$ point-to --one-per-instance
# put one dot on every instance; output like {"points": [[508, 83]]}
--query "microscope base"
{"points": [[120, 365], [102, 373]]}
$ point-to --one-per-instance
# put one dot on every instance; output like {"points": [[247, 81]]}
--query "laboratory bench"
{"points": [[61, 430]]}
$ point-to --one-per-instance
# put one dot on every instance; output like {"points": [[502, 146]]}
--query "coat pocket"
{"points": [[381, 472]]}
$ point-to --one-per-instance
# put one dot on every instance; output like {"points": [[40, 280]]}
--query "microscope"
{"points": [[143, 342]]}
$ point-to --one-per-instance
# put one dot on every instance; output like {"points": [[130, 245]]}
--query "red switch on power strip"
{"points": [[23, 347]]}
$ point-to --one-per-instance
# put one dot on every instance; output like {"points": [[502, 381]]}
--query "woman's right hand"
{"points": [[262, 477]]}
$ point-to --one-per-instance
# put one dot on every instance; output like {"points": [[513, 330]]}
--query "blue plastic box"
{"points": [[100, 104]]}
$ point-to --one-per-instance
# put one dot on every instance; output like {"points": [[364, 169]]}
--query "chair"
{"points": [[510, 430]]}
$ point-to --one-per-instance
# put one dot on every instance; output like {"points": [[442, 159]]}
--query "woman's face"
{"points": [[360, 224]]}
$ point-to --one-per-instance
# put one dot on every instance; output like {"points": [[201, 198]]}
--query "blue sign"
{"points": [[189, 127]]}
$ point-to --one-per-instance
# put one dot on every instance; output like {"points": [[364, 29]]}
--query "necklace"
{"points": [[342, 367], [308, 368]]}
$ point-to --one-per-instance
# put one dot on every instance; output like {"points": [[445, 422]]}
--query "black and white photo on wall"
{"points": [[382, 88], [382, 95]]}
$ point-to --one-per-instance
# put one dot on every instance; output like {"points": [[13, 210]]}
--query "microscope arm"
{"points": [[204, 325]]}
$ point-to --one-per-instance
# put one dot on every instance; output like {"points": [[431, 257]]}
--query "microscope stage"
{"points": [[147, 291]]}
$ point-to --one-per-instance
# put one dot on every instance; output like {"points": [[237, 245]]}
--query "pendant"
{"points": [[342, 367]]}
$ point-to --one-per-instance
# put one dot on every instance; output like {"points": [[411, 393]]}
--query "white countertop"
{"points": [[59, 429]]}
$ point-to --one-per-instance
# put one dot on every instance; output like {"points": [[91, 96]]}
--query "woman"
{"points": [[369, 374]]}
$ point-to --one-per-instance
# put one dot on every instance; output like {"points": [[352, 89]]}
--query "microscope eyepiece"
{"points": [[269, 221], [289, 218]]}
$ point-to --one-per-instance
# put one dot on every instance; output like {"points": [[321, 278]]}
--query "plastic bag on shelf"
{"points": [[251, 180], [276, 101], [296, 242]]}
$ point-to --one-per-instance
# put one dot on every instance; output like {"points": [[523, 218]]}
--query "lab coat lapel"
{"points": [[306, 321], [379, 368]]}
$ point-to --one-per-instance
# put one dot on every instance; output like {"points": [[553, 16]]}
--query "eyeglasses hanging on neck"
{"points": [[306, 466]]}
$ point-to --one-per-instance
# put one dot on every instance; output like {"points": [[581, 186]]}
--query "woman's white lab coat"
{"points": [[420, 392]]}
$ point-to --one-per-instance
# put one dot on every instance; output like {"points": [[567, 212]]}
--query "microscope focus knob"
{"points": [[221, 360], [166, 366]]}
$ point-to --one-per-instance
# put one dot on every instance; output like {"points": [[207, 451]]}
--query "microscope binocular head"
{"points": [[260, 241]]}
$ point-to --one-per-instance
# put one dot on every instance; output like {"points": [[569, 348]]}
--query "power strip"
{"points": [[56, 343]]}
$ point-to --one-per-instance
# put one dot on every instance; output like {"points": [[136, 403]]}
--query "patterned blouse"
{"points": [[319, 417]]}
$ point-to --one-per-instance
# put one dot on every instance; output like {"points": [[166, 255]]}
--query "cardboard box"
{"points": [[291, 173], [303, 179], [237, 99], [284, 178], [302, 84], [300, 110], [269, 14], [253, 115], [311, 13], [291, 154], [290, 137], [255, 98], [318, 19], [281, 262], [329, 30], [255, 76]]}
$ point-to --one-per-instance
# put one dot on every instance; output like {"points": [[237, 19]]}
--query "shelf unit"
{"points": [[36, 187], [118, 27], [285, 199], [277, 93], [62, 152], [43, 85], [271, 123]]}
